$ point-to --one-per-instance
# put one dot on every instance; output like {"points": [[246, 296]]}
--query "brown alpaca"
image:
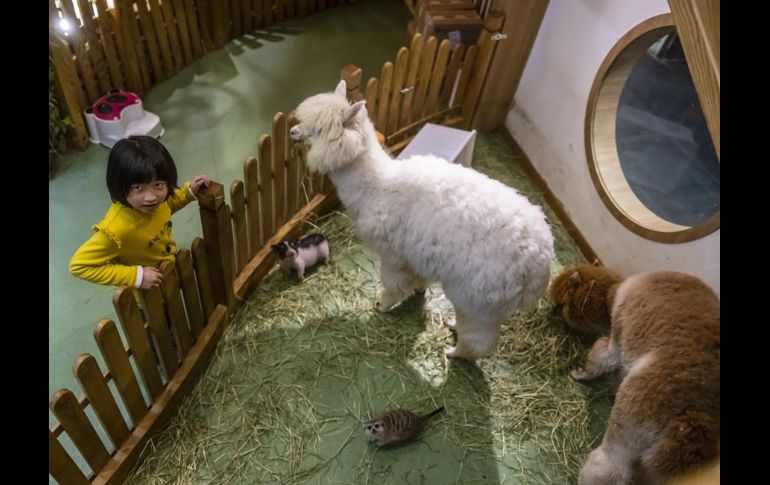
{"points": [[580, 294], [665, 341]]}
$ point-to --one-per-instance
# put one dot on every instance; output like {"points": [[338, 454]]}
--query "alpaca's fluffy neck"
{"points": [[359, 179]]}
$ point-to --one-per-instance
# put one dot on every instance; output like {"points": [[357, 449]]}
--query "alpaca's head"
{"points": [[580, 294], [333, 129]]}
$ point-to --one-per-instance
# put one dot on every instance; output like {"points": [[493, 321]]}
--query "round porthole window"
{"points": [[649, 150]]}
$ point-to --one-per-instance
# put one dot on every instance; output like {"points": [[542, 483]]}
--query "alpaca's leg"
{"points": [[603, 357], [629, 435], [300, 271], [477, 336], [398, 282]]}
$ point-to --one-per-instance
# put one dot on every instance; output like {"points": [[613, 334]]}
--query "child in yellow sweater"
{"points": [[135, 235]]}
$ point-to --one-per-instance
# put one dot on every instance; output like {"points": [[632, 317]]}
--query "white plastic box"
{"points": [[452, 144]]}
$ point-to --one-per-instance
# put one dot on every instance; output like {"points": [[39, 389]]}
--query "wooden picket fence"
{"points": [[430, 81], [185, 325], [186, 316], [269, 205], [139, 43]]}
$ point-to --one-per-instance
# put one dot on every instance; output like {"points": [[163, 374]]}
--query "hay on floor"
{"points": [[302, 366]]}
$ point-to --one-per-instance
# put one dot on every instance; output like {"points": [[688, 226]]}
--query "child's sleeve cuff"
{"points": [[139, 276]]}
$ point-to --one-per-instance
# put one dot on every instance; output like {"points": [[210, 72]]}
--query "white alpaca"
{"points": [[431, 220]]}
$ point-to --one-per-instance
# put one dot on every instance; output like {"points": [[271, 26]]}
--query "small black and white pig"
{"points": [[301, 254]]}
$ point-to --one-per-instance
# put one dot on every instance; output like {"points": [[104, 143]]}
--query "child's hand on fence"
{"points": [[197, 181], [151, 278]]}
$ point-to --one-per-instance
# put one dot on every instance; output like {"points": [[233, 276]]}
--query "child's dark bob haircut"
{"points": [[138, 160]]}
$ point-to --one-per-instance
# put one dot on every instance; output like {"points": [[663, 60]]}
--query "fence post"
{"points": [[218, 236], [351, 74]]}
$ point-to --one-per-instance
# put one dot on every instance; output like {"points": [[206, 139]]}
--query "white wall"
{"points": [[548, 117]]}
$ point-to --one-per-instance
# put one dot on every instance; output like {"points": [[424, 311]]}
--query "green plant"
{"points": [[57, 125]]}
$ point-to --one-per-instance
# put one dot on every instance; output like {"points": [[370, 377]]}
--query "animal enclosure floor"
{"points": [[302, 366], [214, 111]]}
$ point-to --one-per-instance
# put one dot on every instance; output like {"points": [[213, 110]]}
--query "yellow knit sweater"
{"points": [[127, 238]]}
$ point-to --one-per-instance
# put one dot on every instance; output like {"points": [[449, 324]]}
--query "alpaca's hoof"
{"points": [[455, 353], [579, 374]]}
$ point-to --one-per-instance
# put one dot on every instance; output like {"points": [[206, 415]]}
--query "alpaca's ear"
{"points": [[341, 89], [575, 280], [597, 262], [352, 111]]}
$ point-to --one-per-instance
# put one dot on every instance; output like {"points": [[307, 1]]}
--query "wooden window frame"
{"points": [[601, 148]]}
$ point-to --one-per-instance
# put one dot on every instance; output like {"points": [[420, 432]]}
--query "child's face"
{"points": [[147, 197]]}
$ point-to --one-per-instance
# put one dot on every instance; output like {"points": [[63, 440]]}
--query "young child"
{"points": [[135, 235]]}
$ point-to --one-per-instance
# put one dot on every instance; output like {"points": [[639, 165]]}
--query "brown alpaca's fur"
{"points": [[665, 340], [580, 295]]}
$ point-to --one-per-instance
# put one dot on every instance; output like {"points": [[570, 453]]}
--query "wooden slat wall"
{"points": [[146, 22], [95, 48], [180, 16], [191, 11], [107, 30], [77, 41]]}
